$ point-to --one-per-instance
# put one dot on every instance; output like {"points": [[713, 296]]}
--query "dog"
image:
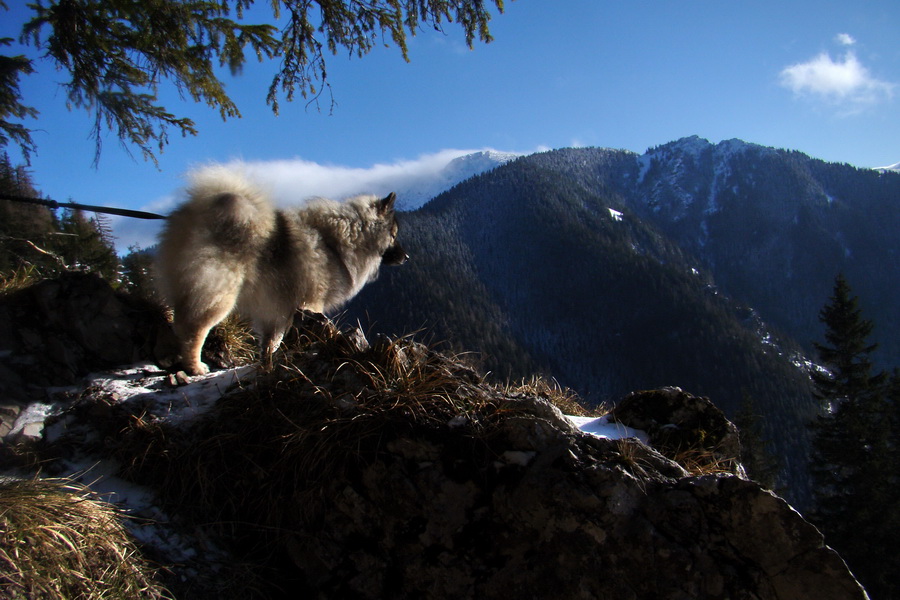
{"points": [[227, 248]]}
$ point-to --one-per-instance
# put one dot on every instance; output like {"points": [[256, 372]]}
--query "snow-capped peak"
{"points": [[692, 145], [414, 192], [893, 167]]}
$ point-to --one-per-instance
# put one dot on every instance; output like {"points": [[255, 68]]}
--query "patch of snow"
{"points": [[519, 457], [604, 428], [150, 525], [692, 145], [616, 215], [805, 364], [176, 405], [894, 167], [721, 173], [30, 422], [729, 148], [150, 387]]}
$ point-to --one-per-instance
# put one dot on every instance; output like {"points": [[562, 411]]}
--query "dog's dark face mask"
{"points": [[395, 254]]}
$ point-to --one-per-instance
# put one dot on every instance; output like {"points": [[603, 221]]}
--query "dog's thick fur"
{"points": [[227, 248]]}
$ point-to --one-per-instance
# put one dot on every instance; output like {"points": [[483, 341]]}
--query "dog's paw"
{"points": [[198, 368]]}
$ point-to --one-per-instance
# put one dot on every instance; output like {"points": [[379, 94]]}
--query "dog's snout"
{"points": [[395, 255]]}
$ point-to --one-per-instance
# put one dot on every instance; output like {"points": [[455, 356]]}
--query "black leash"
{"points": [[122, 212]]}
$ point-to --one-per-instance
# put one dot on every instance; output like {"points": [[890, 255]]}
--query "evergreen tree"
{"points": [[846, 353], [11, 106], [26, 230], [85, 244], [136, 272], [853, 461]]}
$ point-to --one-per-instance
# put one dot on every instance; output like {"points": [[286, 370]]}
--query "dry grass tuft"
{"points": [[634, 456], [704, 461], [563, 398], [21, 278], [231, 343], [58, 542]]}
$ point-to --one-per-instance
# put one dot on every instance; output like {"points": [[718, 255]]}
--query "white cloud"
{"points": [[844, 83], [844, 39], [293, 181]]}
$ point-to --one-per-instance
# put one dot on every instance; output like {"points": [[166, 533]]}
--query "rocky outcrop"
{"points": [[686, 428], [383, 469], [391, 471], [565, 517], [56, 331]]}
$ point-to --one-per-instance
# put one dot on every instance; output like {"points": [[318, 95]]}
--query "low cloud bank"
{"points": [[292, 181]]}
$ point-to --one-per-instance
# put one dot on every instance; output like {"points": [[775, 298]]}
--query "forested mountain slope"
{"points": [[773, 227], [529, 266]]}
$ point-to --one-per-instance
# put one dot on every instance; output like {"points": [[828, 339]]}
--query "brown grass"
{"points": [[231, 344], [703, 461], [21, 278], [563, 398], [633, 455], [57, 541]]}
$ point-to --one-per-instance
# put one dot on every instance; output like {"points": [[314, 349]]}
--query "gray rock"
{"points": [[8, 415], [56, 331], [683, 426], [574, 522]]}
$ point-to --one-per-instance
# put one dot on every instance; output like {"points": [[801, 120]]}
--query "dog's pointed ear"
{"points": [[386, 204]]}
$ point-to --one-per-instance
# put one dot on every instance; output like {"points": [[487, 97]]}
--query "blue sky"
{"points": [[822, 77]]}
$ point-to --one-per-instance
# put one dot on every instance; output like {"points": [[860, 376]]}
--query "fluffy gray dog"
{"points": [[227, 248]]}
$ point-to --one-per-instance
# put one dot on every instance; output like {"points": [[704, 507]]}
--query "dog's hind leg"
{"points": [[271, 335], [194, 320]]}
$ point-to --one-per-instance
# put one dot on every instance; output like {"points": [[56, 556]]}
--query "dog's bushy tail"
{"points": [[238, 214]]}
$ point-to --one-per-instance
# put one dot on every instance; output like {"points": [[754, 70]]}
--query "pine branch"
{"points": [[11, 107], [119, 53]]}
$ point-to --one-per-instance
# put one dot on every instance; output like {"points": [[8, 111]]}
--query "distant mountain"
{"points": [[695, 264], [894, 167], [417, 190], [775, 227]]}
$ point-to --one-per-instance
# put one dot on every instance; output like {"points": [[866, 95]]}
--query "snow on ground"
{"points": [[30, 421], [146, 382], [147, 386], [604, 428]]}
